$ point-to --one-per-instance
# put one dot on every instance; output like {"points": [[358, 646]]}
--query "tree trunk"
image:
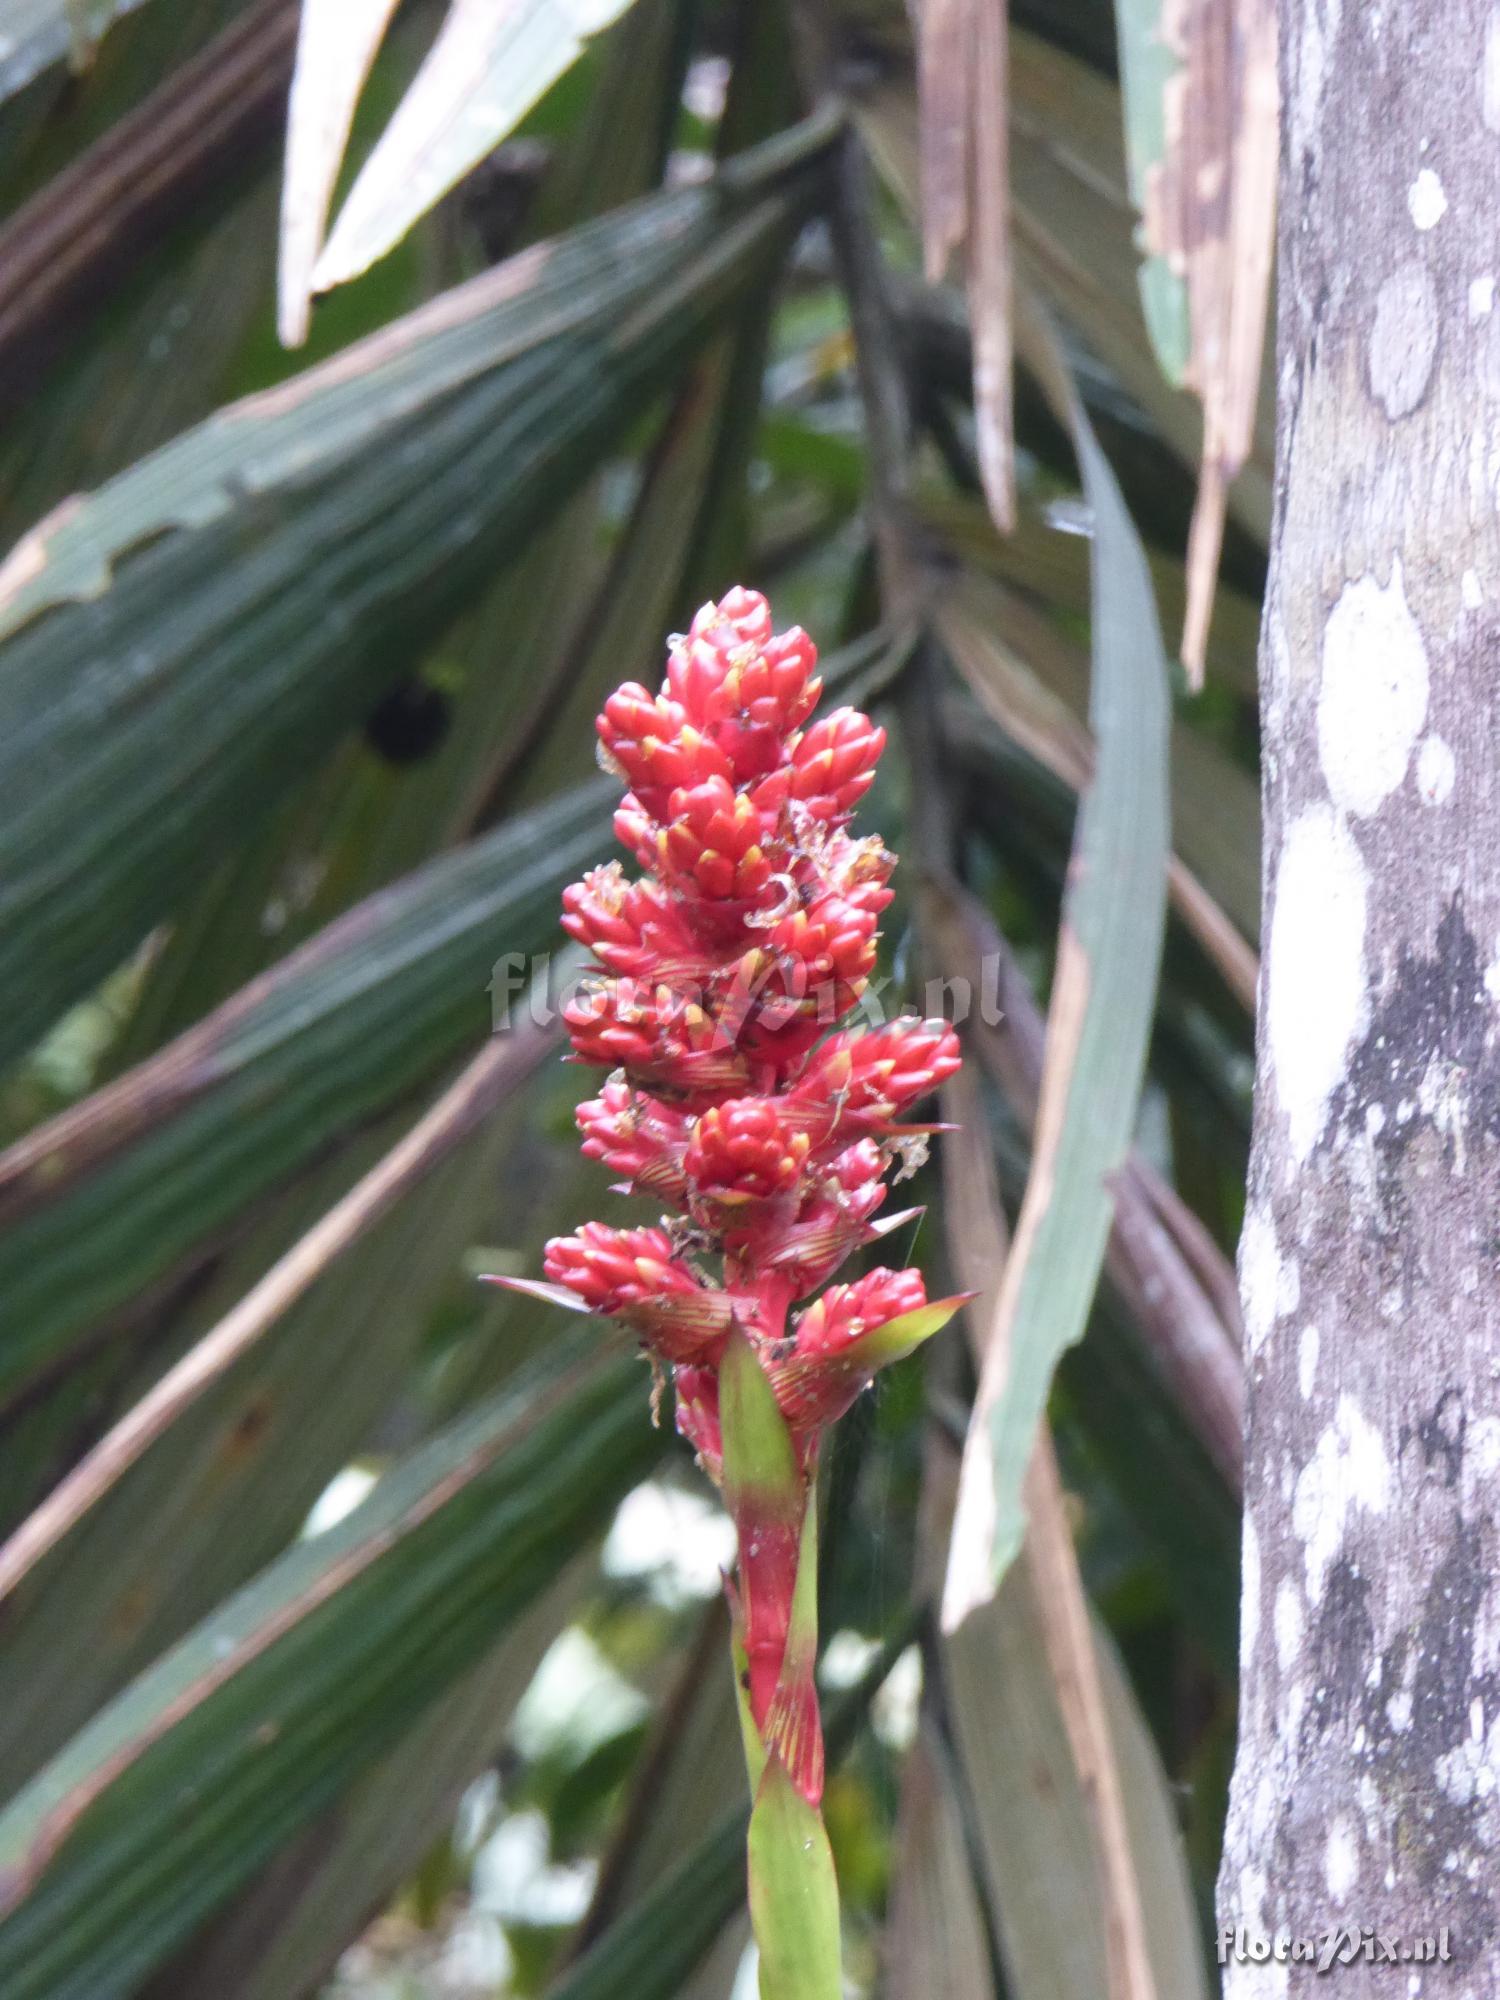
{"points": [[1367, 1787]]}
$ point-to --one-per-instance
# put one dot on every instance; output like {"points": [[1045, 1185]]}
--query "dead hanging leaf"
{"points": [[1068, 1637], [1175, 1280], [934, 1935], [989, 261], [964, 72], [1201, 123], [944, 75], [980, 1249]]}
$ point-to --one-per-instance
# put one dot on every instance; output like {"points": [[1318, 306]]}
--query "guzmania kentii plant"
{"points": [[767, 1132]]}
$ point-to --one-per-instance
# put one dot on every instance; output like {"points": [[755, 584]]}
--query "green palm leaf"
{"points": [[252, 587], [172, 1797]]}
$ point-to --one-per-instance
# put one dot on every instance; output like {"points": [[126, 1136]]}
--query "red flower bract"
{"points": [[634, 1275]]}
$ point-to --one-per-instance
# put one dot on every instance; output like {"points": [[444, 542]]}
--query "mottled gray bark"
{"points": [[1367, 1787]]}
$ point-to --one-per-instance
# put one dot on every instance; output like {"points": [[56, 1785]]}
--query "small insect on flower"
{"points": [[734, 1098]]}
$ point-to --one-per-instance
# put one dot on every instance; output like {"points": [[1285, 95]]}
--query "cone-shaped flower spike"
{"points": [[737, 1101]]}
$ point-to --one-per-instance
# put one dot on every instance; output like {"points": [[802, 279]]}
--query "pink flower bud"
{"points": [[634, 1275], [860, 1082], [846, 1311], [635, 929], [636, 1136], [717, 842], [821, 1377], [652, 742], [698, 1416], [834, 762], [743, 1169], [663, 1038]]}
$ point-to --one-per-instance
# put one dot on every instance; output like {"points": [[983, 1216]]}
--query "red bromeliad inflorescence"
{"points": [[735, 1099]]}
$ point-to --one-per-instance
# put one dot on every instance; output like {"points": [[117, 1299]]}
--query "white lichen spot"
{"points": [[1348, 1473], [1444, 1098], [1307, 1360], [1482, 1449], [1270, 1284], [1489, 72], [1287, 1619], [1249, 1594], [1317, 1001], [1341, 1860], [1247, 1980], [1398, 1711], [1426, 202], [1251, 1981], [1436, 770], [1470, 589], [1468, 1771], [1403, 339], [1372, 698], [1481, 299], [1276, 675], [1318, 34]]}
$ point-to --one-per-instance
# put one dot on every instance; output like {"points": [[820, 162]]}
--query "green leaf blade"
{"points": [[1103, 1003], [793, 1893], [486, 70]]}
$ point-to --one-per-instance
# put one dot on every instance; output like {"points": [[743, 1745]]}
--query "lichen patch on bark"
{"points": [[1403, 339], [1373, 692], [1317, 999]]}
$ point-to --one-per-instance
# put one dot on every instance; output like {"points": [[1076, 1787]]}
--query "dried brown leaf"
{"points": [[934, 1934], [1179, 1285], [964, 82], [943, 82], [989, 259], [1210, 213], [977, 1235]]}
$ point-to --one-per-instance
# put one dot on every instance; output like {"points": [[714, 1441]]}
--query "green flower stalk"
{"points": [[767, 1131]]}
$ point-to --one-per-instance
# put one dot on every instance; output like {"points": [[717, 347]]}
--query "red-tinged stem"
{"points": [[793, 1728], [769, 1540], [779, 1640], [770, 1489], [774, 1295]]}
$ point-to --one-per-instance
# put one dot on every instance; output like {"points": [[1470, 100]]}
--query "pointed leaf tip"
{"points": [[884, 1225], [535, 1288], [905, 1333]]}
